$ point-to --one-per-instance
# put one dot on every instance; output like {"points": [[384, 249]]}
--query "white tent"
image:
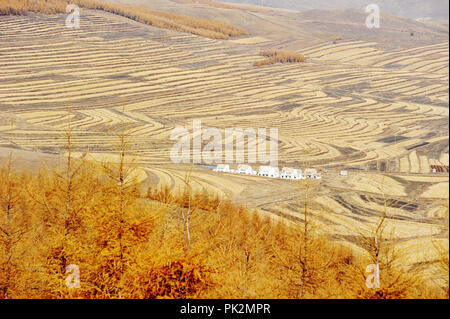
{"points": [[223, 168], [291, 173], [312, 173], [245, 169], [269, 171]]}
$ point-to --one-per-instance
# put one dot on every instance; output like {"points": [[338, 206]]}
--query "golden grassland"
{"points": [[202, 27], [164, 75], [23, 7], [280, 56]]}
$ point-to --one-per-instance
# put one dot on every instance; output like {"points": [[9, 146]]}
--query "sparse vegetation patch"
{"points": [[161, 19], [280, 56]]}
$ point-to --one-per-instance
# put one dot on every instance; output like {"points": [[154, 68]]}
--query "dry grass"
{"points": [[336, 37], [23, 7], [202, 27], [280, 56]]}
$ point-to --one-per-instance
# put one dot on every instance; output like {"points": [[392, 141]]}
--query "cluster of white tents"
{"points": [[270, 171]]}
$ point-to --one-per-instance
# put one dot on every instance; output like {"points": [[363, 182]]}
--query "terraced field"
{"points": [[381, 114]]}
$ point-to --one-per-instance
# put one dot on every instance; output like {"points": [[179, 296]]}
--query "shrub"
{"points": [[157, 18], [280, 56]]}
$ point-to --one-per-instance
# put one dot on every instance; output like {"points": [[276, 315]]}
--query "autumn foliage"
{"points": [[280, 56], [157, 18], [130, 244]]}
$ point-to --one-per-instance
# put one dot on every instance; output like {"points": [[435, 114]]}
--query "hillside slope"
{"points": [[295, 30], [434, 9]]}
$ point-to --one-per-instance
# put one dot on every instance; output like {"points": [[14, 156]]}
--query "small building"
{"points": [[291, 173], [343, 173], [245, 169], [269, 171], [310, 172], [224, 168]]}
